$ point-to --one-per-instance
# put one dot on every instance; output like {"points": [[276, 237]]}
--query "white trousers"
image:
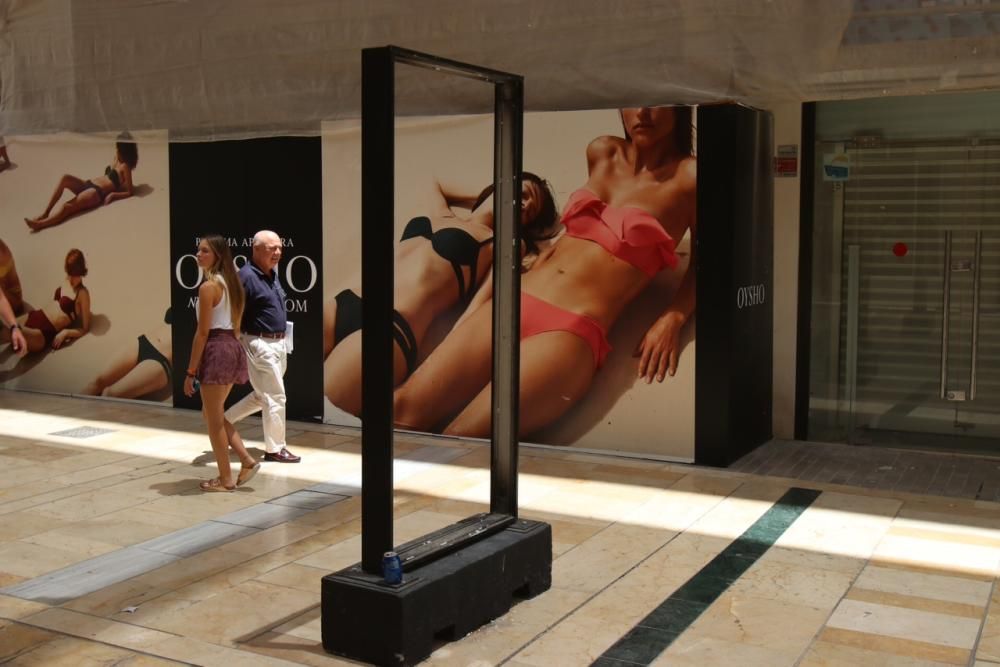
{"points": [[266, 363]]}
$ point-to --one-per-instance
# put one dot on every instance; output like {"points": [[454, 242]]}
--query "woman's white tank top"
{"points": [[221, 316]]}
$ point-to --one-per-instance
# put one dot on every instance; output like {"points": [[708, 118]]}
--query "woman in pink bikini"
{"points": [[621, 229], [63, 319]]}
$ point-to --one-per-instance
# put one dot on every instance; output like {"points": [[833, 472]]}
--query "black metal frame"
{"points": [[803, 331], [377, 242]]}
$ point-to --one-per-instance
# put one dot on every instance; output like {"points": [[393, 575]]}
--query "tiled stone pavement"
{"points": [[862, 576]]}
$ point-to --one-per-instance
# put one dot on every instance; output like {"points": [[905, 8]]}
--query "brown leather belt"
{"points": [[266, 334]]}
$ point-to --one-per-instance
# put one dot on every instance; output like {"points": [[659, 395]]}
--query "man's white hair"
{"points": [[258, 238]]}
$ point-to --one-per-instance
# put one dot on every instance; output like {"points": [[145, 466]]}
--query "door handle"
{"points": [[945, 314], [976, 274]]}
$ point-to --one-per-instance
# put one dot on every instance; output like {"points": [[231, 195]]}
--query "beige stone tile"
{"points": [[947, 558], [89, 505], [838, 531], [82, 547], [17, 525], [672, 509], [293, 575], [780, 626], [12, 608], [913, 602], [19, 474], [111, 534], [16, 638], [592, 500], [305, 626], [496, 641], [99, 629], [32, 493], [825, 654], [336, 556], [601, 559], [295, 649], [8, 579], [89, 474], [40, 453], [585, 634], [702, 651], [901, 647], [31, 560], [200, 506], [821, 589], [270, 539], [906, 624], [935, 587], [142, 515], [240, 613], [72, 651], [988, 647], [737, 512], [157, 485], [332, 515]]}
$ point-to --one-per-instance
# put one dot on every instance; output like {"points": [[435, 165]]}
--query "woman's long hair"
{"points": [[544, 225], [225, 270]]}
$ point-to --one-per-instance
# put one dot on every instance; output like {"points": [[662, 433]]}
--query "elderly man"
{"points": [[263, 338], [15, 336]]}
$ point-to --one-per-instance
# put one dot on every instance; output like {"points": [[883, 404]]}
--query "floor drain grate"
{"points": [[83, 432]]}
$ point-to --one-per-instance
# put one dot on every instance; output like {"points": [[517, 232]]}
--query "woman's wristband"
{"points": [[14, 326], [191, 373]]}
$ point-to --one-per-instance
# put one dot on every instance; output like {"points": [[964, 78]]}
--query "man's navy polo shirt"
{"points": [[265, 307]]}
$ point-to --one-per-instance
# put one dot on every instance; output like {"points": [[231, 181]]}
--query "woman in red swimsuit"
{"points": [[114, 184], [621, 228], [66, 317]]}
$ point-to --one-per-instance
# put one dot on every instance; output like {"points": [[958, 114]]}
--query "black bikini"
{"points": [[112, 176], [147, 352], [456, 246], [453, 245], [349, 321]]}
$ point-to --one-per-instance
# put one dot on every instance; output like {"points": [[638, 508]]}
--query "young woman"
{"points": [[63, 319], [440, 261], [620, 231], [114, 184], [217, 359]]}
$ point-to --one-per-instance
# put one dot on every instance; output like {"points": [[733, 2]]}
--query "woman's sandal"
{"points": [[216, 485], [246, 474]]}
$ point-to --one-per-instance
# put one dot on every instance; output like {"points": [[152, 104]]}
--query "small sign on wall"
{"points": [[836, 167], [786, 162]]}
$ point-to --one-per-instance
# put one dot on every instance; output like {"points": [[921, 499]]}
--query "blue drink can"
{"points": [[392, 568]]}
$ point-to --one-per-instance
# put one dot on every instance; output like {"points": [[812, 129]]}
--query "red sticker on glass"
{"points": [[900, 249]]}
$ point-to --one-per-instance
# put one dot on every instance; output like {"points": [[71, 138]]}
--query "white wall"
{"points": [[787, 130]]}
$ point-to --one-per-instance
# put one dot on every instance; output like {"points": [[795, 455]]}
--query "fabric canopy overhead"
{"points": [[213, 69]]}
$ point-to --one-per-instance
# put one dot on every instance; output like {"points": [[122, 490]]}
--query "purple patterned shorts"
{"points": [[224, 361]]}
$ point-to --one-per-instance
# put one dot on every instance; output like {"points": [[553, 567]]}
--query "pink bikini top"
{"points": [[629, 233], [66, 304]]}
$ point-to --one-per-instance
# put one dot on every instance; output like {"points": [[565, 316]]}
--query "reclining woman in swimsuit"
{"points": [[114, 184], [620, 231], [139, 369], [440, 261], [50, 326]]}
